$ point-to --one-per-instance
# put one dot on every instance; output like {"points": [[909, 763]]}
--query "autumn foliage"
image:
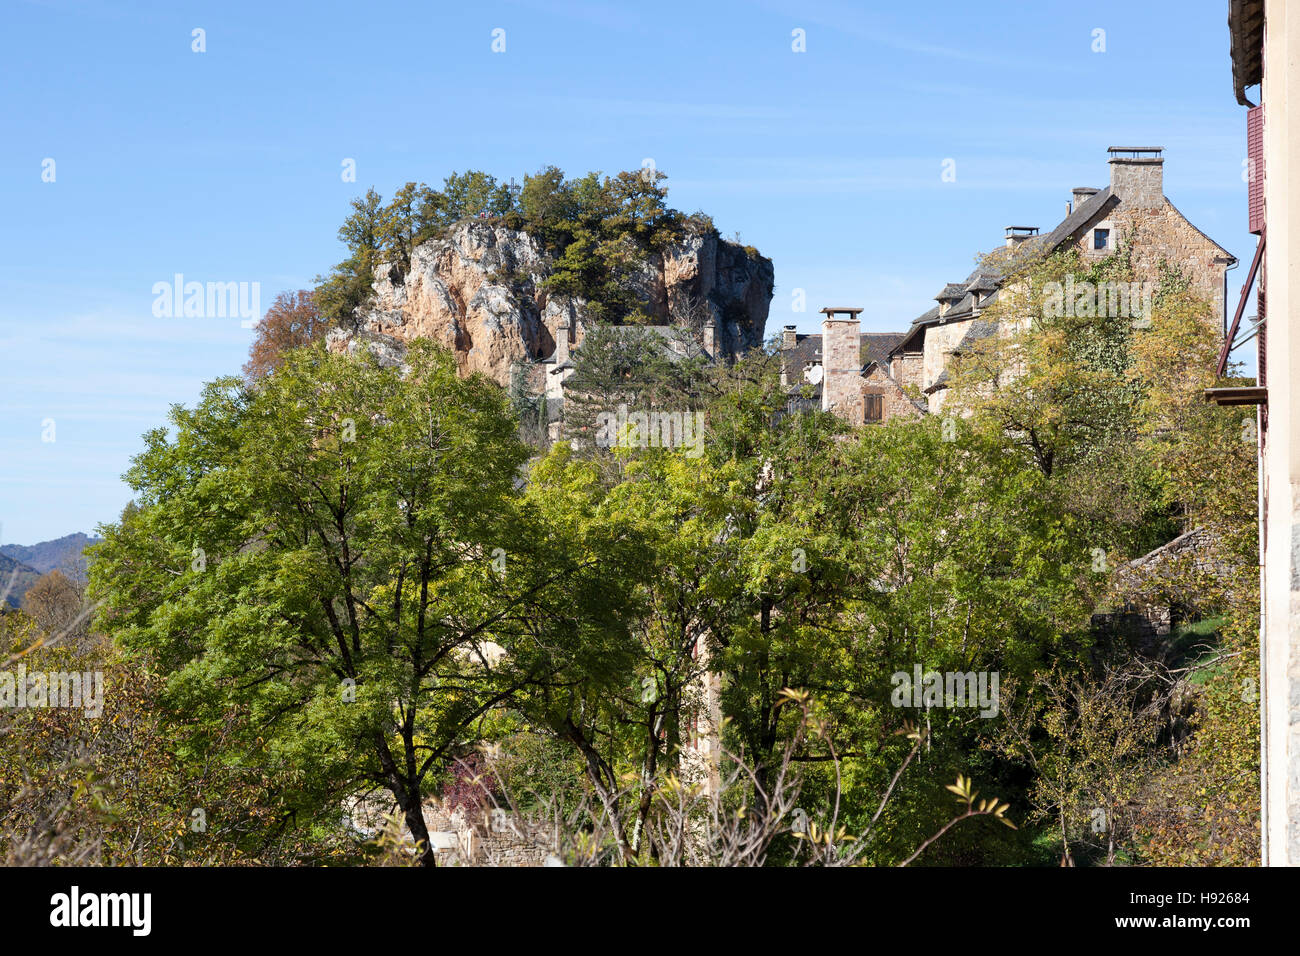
{"points": [[291, 321]]}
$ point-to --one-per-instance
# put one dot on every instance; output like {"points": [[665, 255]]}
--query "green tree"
{"points": [[548, 206], [348, 286], [632, 367], [641, 210], [338, 553], [410, 219], [473, 193]]}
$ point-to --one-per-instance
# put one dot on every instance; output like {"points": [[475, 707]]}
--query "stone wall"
{"points": [[894, 401], [491, 839], [907, 368], [1140, 589], [458, 838], [1153, 234], [940, 340]]}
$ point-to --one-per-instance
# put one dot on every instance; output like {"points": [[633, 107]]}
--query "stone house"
{"points": [[859, 381], [911, 376], [1131, 213]]}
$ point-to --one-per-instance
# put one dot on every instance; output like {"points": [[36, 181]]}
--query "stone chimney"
{"points": [[1137, 175], [789, 337], [561, 345], [842, 363], [710, 335], [1018, 234], [1080, 194]]}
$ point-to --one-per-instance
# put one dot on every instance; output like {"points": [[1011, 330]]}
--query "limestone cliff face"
{"points": [[479, 292]]}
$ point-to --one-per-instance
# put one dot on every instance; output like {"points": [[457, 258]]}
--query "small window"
{"points": [[873, 409], [1100, 238]]}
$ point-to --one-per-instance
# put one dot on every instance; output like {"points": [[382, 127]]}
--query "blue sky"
{"points": [[224, 166]]}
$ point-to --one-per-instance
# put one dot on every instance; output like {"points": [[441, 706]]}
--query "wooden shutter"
{"points": [[1255, 167], [1261, 299], [874, 411]]}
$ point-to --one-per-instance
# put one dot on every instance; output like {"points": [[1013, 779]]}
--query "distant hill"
{"points": [[33, 560], [14, 586]]}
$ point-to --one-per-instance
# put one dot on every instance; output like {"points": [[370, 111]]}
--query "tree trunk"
{"points": [[408, 799], [414, 814], [1066, 858]]}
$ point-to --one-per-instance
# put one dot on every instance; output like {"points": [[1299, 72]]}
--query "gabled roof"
{"points": [[910, 339], [1084, 214], [987, 277]]}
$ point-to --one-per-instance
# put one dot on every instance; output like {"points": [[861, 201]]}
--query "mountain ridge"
{"points": [[25, 563]]}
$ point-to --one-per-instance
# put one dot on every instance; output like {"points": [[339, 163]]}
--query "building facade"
{"points": [[1265, 46], [905, 374]]}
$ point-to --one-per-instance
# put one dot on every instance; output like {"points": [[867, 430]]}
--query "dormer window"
{"points": [[1101, 239]]}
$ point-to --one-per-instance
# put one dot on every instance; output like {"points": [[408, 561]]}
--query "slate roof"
{"points": [[875, 347], [979, 329], [926, 317], [807, 348], [1092, 208], [987, 278]]}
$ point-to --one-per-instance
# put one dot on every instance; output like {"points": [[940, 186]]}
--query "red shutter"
{"points": [[1262, 348], [1255, 167]]}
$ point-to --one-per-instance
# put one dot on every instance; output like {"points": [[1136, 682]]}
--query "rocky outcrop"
{"points": [[480, 292], [735, 282]]}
